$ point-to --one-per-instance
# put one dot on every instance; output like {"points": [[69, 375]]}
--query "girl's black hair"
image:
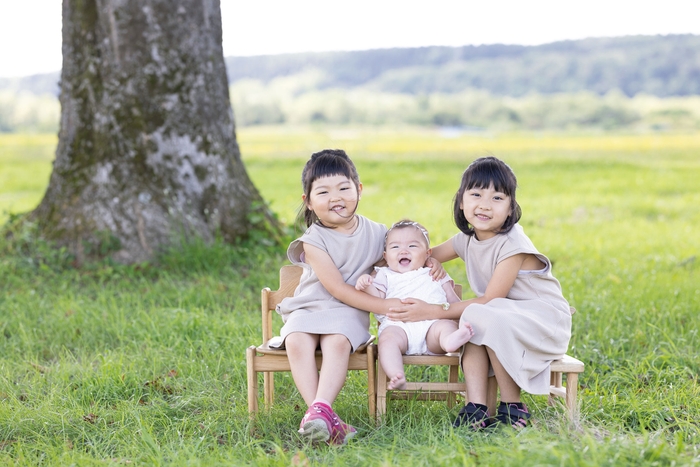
{"points": [[482, 173], [325, 163]]}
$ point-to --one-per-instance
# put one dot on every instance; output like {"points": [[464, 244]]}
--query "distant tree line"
{"points": [[636, 82], [657, 65], [295, 100]]}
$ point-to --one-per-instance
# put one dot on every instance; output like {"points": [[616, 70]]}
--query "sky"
{"points": [[30, 30]]}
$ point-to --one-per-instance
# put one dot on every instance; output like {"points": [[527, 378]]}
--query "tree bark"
{"points": [[147, 149]]}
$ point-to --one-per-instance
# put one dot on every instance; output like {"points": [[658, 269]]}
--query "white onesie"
{"points": [[412, 284]]}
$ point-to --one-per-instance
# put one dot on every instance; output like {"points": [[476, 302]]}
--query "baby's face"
{"points": [[406, 249]]}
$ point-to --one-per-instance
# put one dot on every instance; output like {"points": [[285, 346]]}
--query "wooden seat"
{"points": [[267, 360], [448, 391], [453, 388]]}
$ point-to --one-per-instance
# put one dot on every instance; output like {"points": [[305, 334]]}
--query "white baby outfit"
{"points": [[412, 284]]}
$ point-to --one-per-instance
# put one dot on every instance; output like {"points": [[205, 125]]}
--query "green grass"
{"points": [[115, 365]]}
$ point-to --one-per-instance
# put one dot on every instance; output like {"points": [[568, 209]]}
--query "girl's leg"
{"points": [[510, 391], [336, 355], [393, 343], [510, 411], [444, 336], [475, 365], [301, 349], [319, 391]]}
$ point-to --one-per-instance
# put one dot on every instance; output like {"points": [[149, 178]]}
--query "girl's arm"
{"points": [[412, 309], [437, 271], [498, 287], [332, 280], [444, 252], [502, 280]]}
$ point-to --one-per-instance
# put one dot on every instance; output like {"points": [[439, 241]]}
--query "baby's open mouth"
{"points": [[404, 261]]}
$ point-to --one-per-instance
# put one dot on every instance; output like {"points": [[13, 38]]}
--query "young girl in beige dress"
{"points": [[326, 310], [520, 318]]}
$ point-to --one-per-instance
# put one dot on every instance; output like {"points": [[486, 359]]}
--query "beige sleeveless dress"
{"points": [[313, 309], [532, 325]]}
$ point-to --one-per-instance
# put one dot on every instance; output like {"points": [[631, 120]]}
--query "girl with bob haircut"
{"points": [[326, 311], [520, 318]]}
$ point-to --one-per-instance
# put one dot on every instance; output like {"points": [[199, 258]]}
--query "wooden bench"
{"points": [[264, 359], [566, 369], [268, 360]]}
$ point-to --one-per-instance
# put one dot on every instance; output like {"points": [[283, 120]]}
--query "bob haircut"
{"points": [[325, 163], [482, 173]]}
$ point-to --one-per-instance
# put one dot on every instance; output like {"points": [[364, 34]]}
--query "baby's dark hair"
{"points": [[482, 173], [325, 163]]}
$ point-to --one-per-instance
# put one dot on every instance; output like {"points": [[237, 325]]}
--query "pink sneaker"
{"points": [[316, 424], [341, 432]]}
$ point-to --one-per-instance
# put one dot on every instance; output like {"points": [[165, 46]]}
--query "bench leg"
{"points": [[381, 394], [571, 394], [555, 381], [268, 388], [452, 378], [372, 380], [252, 381]]}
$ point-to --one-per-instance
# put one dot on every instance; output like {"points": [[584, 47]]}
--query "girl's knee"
{"points": [[300, 341], [336, 343]]}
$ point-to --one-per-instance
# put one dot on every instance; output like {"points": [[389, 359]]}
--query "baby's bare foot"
{"points": [[397, 382], [458, 338]]}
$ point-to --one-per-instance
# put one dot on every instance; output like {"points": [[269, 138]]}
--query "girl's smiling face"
{"points": [[334, 200], [486, 209]]}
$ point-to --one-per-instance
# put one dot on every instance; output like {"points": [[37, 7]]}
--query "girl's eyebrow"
{"points": [[328, 184]]}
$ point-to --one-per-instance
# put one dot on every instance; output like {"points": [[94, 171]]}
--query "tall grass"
{"points": [[145, 364]]}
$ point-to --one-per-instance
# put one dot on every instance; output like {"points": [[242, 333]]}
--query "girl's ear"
{"points": [[303, 200], [359, 191]]}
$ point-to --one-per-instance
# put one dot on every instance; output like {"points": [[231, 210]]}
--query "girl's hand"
{"points": [[411, 309], [437, 272], [363, 282]]}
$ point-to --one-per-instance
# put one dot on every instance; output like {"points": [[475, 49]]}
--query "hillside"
{"points": [[658, 65], [662, 66]]}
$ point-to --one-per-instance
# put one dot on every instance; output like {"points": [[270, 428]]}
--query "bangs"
{"points": [[483, 175], [328, 167]]}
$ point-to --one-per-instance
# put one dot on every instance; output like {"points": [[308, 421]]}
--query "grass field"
{"points": [[144, 365]]}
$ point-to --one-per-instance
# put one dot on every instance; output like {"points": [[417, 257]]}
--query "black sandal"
{"points": [[476, 416], [514, 414]]}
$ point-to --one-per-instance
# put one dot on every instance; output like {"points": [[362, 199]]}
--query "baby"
{"points": [[406, 249]]}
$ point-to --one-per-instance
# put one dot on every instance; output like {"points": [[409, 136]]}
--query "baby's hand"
{"points": [[363, 282]]}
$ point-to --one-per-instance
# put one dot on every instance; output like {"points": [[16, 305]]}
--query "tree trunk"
{"points": [[147, 149]]}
